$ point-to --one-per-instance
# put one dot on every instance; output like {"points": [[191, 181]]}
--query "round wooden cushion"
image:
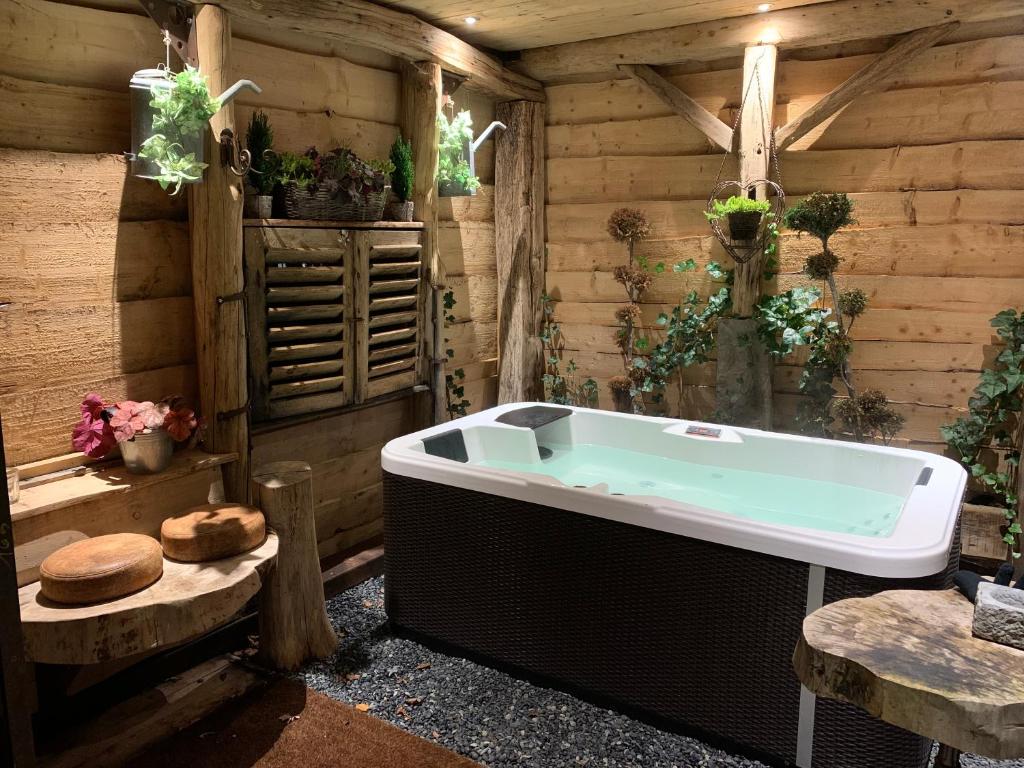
{"points": [[102, 568], [212, 532]]}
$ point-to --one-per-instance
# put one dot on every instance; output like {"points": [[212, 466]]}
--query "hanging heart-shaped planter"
{"points": [[749, 232]]}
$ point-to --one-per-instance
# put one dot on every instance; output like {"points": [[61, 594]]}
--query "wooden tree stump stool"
{"points": [[293, 618], [908, 657]]}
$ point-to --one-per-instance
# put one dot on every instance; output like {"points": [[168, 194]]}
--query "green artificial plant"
{"points": [[181, 109], [737, 204], [996, 419], [403, 174], [259, 140]]}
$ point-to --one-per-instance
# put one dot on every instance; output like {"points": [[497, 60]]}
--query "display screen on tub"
{"points": [[744, 492]]}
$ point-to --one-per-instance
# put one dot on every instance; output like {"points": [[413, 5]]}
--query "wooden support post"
{"points": [[294, 627], [744, 374], [215, 229], [421, 106], [519, 247], [870, 78], [16, 683], [717, 132]]}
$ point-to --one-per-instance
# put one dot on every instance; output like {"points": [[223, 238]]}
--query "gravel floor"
{"points": [[486, 715]]}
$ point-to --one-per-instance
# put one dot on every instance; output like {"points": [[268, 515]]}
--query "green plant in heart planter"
{"points": [[743, 214], [144, 431]]}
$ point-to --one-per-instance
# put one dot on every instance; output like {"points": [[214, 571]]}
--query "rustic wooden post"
{"points": [[16, 683], [744, 377], [294, 627], [519, 247], [215, 229], [421, 105]]}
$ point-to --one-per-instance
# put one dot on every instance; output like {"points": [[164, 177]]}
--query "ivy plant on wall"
{"points": [[559, 388], [454, 382], [996, 419]]}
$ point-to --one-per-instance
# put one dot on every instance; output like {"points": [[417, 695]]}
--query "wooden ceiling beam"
{"points": [[358, 22], [830, 23], [714, 129], [871, 78]]}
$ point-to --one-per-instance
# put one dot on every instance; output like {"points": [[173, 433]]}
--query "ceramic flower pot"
{"points": [[743, 226], [147, 453]]}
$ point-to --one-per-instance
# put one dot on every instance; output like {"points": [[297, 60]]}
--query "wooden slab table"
{"points": [[908, 658]]}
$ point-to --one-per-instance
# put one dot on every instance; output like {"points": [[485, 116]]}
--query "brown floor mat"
{"points": [[286, 725]]}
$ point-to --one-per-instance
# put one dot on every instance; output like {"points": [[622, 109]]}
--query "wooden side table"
{"points": [[908, 658]]}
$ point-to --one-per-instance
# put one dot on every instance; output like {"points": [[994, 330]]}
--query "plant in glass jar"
{"points": [[144, 431], [454, 175]]}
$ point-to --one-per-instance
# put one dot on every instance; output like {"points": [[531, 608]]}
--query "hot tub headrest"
{"points": [[533, 416], [447, 445]]}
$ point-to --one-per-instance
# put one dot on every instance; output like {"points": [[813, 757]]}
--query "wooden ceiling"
{"points": [[512, 25]]}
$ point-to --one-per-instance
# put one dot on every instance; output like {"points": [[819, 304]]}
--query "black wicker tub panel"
{"points": [[692, 635]]}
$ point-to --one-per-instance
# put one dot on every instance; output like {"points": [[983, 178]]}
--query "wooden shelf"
{"points": [[188, 600], [333, 224], [91, 484]]}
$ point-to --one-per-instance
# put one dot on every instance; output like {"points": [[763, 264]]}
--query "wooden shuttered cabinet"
{"points": [[335, 316]]}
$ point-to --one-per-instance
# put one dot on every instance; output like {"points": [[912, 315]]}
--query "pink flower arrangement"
{"points": [[103, 425]]}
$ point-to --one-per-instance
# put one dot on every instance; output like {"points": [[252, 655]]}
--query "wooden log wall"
{"points": [[95, 285], [932, 163], [465, 241]]}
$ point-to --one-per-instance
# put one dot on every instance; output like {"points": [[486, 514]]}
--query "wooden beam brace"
{"points": [[215, 233], [717, 132], [827, 23], [358, 22], [871, 78], [519, 247]]}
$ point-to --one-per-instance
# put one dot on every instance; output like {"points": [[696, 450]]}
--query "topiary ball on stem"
{"points": [[628, 225], [853, 302], [821, 214], [821, 266]]}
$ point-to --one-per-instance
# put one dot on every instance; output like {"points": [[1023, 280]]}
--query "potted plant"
{"points": [[401, 181], [743, 214], [454, 172], [261, 178], [145, 432], [336, 185]]}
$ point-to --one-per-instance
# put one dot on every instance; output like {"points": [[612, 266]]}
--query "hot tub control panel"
{"points": [[703, 431]]}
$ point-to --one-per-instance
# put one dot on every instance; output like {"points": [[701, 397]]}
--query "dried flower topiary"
{"points": [[820, 266], [635, 280], [619, 384], [628, 225], [853, 302], [630, 312]]}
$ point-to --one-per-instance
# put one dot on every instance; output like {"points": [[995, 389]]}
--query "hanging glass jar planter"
{"points": [[456, 168], [169, 116]]}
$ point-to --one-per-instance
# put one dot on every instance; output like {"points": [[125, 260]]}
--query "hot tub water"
{"points": [[769, 498]]}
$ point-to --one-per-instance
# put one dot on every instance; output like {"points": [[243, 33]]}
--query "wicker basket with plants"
{"points": [[336, 186]]}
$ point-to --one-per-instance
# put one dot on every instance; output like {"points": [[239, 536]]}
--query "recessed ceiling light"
{"points": [[764, 7], [471, 20]]}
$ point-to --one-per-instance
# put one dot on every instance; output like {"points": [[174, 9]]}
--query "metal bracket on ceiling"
{"points": [[451, 82], [177, 18]]}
